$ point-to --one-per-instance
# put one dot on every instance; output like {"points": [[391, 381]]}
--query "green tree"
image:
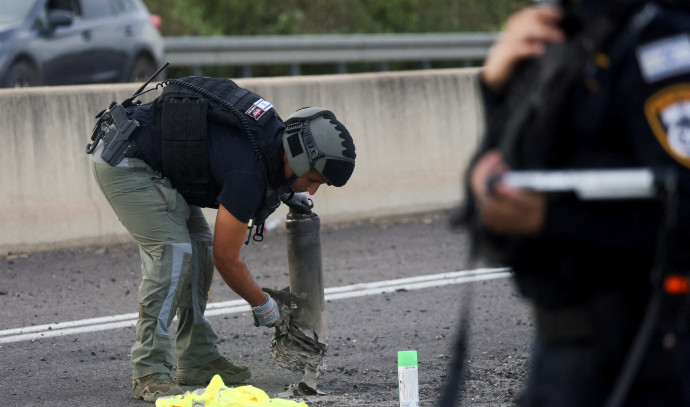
{"points": [[288, 17], [295, 17]]}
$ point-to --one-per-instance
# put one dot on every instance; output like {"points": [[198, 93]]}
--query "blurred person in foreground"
{"points": [[206, 142], [588, 84]]}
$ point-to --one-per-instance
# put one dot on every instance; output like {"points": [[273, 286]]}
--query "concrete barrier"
{"points": [[414, 132]]}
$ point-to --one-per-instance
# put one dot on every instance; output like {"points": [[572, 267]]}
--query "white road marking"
{"points": [[237, 306]]}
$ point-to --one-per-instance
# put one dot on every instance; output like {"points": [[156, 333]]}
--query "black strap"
{"points": [[456, 380]]}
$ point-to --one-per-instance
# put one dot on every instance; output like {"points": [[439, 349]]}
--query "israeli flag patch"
{"points": [[259, 108], [664, 58]]}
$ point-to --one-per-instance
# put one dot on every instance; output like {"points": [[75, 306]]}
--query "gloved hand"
{"points": [[298, 201], [266, 314]]}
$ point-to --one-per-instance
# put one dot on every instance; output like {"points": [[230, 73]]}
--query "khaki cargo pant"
{"points": [[175, 245]]}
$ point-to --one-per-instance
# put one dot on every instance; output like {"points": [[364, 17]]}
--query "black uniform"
{"points": [[238, 176], [616, 94], [218, 143]]}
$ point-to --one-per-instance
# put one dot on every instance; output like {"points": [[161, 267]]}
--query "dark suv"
{"points": [[64, 42]]}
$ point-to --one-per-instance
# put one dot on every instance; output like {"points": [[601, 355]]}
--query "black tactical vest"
{"points": [[182, 112]]}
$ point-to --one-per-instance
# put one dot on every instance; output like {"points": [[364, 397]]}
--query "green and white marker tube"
{"points": [[408, 378]]}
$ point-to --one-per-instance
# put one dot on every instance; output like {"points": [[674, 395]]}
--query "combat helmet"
{"points": [[314, 138]]}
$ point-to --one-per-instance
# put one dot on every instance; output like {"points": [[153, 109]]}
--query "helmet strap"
{"points": [[291, 179]]}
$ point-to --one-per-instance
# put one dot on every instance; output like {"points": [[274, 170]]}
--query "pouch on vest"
{"points": [[183, 129]]}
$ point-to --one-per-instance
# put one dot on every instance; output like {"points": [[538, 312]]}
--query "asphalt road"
{"points": [[45, 364]]}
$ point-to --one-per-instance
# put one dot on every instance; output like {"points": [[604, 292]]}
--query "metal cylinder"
{"points": [[306, 272], [300, 339]]}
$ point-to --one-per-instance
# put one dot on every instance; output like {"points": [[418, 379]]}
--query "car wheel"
{"points": [[142, 70], [21, 74]]}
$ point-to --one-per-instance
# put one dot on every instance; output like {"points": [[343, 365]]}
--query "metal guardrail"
{"points": [[294, 51]]}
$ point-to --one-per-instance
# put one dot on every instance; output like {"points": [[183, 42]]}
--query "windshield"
{"points": [[14, 11]]}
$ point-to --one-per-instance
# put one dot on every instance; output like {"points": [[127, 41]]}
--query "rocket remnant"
{"points": [[300, 338]]}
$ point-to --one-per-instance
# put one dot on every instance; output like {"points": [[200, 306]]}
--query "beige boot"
{"points": [[153, 386]]}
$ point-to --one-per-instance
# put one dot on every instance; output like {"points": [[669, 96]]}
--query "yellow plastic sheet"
{"points": [[218, 395]]}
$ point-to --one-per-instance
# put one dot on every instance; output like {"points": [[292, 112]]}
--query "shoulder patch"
{"points": [[258, 109], [668, 114], [664, 58]]}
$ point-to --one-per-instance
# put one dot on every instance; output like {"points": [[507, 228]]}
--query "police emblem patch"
{"points": [[668, 114], [259, 108]]}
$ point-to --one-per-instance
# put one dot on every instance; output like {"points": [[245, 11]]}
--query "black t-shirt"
{"points": [[237, 170]]}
